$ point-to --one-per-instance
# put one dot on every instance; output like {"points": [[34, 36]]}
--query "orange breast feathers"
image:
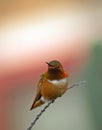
{"points": [[55, 88]]}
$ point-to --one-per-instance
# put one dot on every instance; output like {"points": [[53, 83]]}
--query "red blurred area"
{"points": [[29, 67]]}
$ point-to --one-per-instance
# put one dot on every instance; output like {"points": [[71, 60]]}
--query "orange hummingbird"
{"points": [[51, 85]]}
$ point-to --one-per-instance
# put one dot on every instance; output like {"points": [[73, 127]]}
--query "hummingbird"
{"points": [[52, 84]]}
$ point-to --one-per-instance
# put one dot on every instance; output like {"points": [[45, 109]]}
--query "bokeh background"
{"points": [[35, 31]]}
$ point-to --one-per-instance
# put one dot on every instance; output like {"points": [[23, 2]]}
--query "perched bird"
{"points": [[52, 84]]}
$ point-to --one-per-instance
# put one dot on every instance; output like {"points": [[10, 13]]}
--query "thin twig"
{"points": [[49, 103], [37, 117]]}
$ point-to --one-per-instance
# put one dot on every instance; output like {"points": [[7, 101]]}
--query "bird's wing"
{"points": [[38, 91]]}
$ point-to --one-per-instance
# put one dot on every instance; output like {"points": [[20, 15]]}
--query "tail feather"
{"points": [[37, 104]]}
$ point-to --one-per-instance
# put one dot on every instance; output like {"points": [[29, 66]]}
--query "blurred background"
{"points": [[35, 31]]}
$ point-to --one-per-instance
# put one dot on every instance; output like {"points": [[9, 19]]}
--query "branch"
{"points": [[49, 103]]}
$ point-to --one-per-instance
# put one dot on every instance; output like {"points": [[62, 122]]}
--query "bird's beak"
{"points": [[48, 64]]}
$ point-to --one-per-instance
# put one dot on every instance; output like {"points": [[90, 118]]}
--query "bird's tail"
{"points": [[37, 104]]}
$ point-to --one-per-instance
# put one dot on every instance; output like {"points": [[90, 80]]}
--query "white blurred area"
{"points": [[36, 32], [40, 34]]}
